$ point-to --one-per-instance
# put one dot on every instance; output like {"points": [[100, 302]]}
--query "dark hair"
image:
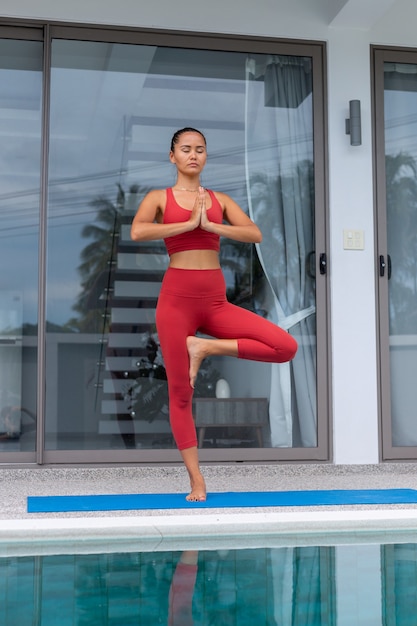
{"points": [[176, 136]]}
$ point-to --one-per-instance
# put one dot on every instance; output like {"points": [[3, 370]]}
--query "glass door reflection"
{"points": [[20, 154], [113, 110]]}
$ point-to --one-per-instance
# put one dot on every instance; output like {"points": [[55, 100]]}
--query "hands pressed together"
{"points": [[198, 215]]}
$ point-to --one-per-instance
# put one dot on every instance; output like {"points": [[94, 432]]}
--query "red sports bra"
{"points": [[197, 239]]}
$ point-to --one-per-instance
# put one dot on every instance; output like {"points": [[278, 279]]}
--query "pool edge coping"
{"points": [[48, 535]]}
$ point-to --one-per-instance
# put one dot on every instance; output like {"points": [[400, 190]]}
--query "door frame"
{"points": [[379, 56], [232, 43]]}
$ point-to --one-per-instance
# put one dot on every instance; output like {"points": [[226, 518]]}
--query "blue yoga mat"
{"points": [[122, 502]]}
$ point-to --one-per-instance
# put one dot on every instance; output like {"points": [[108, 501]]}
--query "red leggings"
{"points": [[195, 300]]}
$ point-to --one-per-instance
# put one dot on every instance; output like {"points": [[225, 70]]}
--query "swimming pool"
{"points": [[295, 568], [369, 584]]}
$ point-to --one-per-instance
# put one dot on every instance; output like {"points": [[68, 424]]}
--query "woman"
{"points": [[191, 221]]}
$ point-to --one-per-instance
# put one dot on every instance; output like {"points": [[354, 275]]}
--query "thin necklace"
{"points": [[185, 189]]}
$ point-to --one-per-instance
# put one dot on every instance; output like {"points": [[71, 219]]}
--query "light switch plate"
{"points": [[353, 239]]}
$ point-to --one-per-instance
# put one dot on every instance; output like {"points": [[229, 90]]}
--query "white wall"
{"points": [[352, 273]]}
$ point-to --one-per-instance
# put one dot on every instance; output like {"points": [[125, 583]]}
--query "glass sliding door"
{"points": [[113, 110], [20, 155], [95, 91], [396, 81]]}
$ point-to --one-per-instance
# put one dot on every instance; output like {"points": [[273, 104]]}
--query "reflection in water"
{"points": [[182, 590], [286, 586], [211, 587]]}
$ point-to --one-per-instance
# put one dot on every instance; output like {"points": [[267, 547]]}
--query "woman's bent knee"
{"points": [[292, 348]]}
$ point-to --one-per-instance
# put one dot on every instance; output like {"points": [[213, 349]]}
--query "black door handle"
{"points": [[323, 263], [385, 265], [382, 265]]}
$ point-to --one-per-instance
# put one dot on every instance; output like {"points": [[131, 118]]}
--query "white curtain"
{"points": [[279, 176]]}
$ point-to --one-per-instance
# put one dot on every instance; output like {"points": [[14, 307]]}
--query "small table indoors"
{"points": [[230, 413]]}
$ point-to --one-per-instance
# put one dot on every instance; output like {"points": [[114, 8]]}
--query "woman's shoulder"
{"points": [[156, 193], [221, 197], [156, 196]]}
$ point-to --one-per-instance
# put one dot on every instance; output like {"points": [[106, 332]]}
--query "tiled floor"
{"points": [[16, 525], [17, 484]]}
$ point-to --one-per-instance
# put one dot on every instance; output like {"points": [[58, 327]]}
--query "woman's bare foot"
{"points": [[196, 353], [199, 348], [197, 482], [198, 490]]}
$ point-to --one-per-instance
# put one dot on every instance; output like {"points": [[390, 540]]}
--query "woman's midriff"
{"points": [[195, 260]]}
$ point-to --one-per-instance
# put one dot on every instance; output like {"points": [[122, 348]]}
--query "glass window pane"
{"points": [[114, 108], [20, 128], [400, 101]]}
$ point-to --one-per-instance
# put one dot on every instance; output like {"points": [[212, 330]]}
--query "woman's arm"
{"points": [[147, 224], [239, 227]]}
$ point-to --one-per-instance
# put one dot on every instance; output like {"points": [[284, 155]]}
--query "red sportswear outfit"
{"points": [[195, 300]]}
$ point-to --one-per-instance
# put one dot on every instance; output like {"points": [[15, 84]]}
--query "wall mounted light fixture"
{"points": [[353, 123]]}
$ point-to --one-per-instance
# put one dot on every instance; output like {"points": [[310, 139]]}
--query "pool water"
{"points": [[358, 584]]}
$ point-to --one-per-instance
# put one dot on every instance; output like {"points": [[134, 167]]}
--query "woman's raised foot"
{"points": [[196, 354]]}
